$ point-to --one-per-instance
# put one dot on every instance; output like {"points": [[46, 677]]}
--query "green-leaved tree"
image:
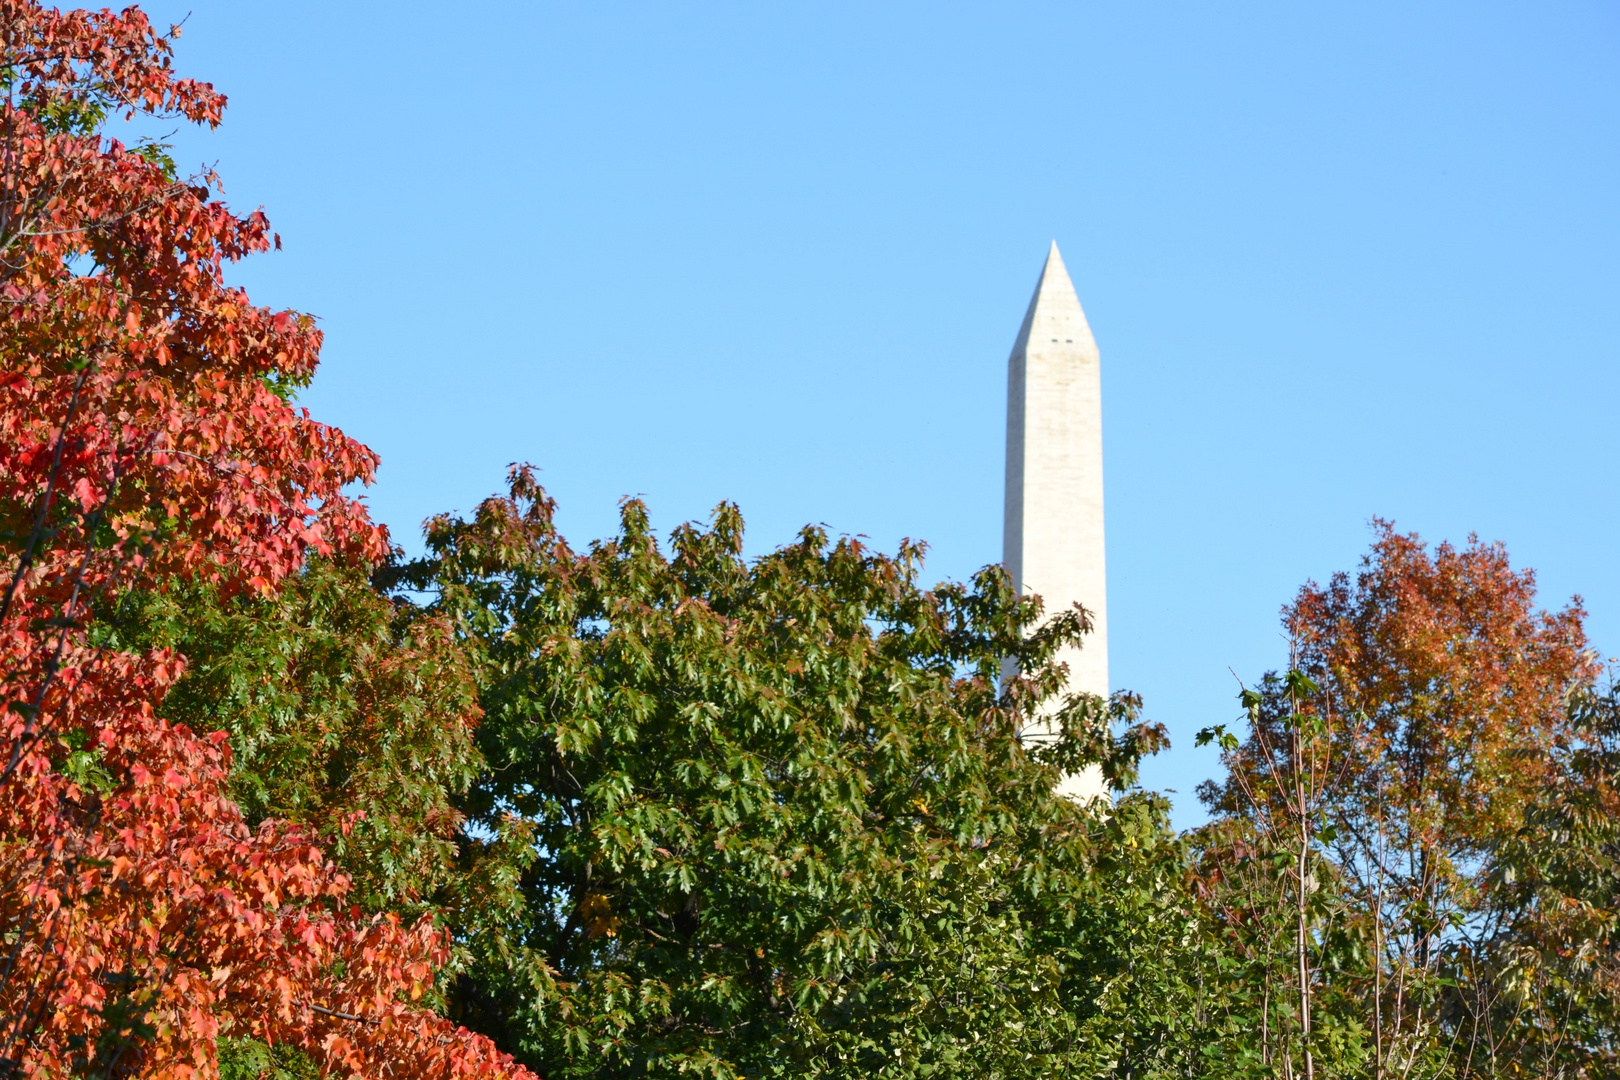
{"points": [[775, 817]]}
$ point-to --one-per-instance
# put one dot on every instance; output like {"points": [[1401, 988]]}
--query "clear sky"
{"points": [[1342, 260]]}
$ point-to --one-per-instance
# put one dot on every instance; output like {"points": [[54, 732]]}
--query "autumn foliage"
{"points": [[1449, 687], [145, 434], [1424, 788]]}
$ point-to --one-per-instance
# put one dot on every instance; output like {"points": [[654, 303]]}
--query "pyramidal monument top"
{"points": [[1055, 310], [1052, 529]]}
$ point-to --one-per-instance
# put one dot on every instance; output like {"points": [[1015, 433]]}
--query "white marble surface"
{"points": [[1053, 525]]}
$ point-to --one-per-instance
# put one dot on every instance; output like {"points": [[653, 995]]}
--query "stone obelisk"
{"points": [[1052, 539]]}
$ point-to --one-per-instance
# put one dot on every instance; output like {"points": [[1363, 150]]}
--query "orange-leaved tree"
{"points": [[146, 432], [1439, 706]]}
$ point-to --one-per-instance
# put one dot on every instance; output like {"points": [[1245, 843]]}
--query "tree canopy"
{"points": [[146, 434], [776, 817], [1423, 788]]}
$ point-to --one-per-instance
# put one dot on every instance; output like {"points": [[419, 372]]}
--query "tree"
{"points": [[1439, 699], [146, 432], [347, 713], [1276, 907], [775, 817], [1543, 993]]}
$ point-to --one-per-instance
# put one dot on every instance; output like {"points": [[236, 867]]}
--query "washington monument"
{"points": [[1052, 535]]}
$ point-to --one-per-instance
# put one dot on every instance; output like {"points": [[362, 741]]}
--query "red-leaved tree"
{"points": [[146, 429]]}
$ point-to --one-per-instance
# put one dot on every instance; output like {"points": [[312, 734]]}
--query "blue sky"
{"points": [[1342, 260]]}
